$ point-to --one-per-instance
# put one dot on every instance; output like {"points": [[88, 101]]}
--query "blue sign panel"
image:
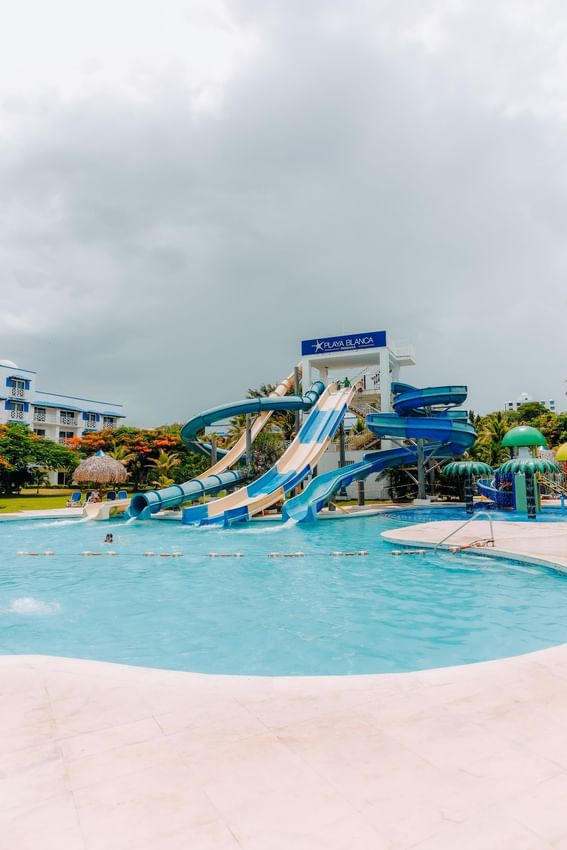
{"points": [[340, 344]]}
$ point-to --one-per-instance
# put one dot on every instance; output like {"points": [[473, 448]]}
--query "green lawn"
{"points": [[33, 502]]}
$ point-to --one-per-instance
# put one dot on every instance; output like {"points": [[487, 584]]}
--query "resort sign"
{"points": [[342, 344]]}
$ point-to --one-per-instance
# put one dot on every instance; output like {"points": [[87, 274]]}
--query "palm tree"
{"points": [[122, 453], [488, 446], [164, 463], [284, 420]]}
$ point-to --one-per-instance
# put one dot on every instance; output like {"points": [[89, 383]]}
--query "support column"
{"points": [[469, 504], [421, 494], [431, 477], [385, 382], [296, 390], [213, 449], [342, 454], [360, 492]]}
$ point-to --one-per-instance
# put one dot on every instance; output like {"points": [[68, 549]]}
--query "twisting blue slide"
{"points": [[420, 414], [218, 478]]}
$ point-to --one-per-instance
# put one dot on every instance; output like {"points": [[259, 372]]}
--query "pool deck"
{"points": [[532, 542], [97, 756]]}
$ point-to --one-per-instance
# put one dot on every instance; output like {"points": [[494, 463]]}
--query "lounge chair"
{"points": [[74, 500], [110, 496], [122, 494]]}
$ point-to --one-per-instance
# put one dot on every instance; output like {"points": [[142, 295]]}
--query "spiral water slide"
{"points": [[296, 463], [220, 477], [420, 414]]}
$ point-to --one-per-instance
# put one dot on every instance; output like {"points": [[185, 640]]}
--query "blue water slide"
{"points": [[306, 505], [446, 433], [143, 505], [489, 488], [294, 466], [238, 408]]}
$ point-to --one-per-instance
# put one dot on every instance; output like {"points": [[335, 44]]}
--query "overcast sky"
{"points": [[189, 188]]}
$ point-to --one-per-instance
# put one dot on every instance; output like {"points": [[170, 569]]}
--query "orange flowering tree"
{"points": [[143, 451]]}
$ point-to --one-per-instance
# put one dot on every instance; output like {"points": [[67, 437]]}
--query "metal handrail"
{"points": [[476, 516]]}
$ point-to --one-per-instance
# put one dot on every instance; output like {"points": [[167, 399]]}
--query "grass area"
{"points": [[29, 502]]}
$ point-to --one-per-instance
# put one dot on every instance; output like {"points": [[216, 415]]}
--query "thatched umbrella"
{"points": [[100, 469]]}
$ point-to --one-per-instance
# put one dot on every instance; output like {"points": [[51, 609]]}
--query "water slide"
{"points": [[489, 488], [296, 463], [420, 414], [219, 477]]}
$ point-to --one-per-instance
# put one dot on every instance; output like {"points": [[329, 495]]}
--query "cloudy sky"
{"points": [[189, 188]]}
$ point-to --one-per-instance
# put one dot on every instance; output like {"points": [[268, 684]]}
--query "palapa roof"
{"points": [[100, 469]]}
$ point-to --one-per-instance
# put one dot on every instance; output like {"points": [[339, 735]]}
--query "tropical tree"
{"points": [[491, 431], [162, 467], [24, 457]]}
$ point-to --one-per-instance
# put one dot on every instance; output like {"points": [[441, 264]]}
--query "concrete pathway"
{"points": [[98, 756]]}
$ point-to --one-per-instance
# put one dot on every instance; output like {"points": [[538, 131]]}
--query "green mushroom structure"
{"points": [[466, 469]]}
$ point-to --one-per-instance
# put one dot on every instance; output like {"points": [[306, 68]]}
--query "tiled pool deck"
{"points": [[97, 756]]}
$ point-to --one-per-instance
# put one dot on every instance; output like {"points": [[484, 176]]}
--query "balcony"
{"points": [[17, 392], [66, 419], [108, 423], [39, 416], [17, 415]]}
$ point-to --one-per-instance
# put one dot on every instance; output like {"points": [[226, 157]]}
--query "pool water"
{"points": [[409, 516], [315, 614]]}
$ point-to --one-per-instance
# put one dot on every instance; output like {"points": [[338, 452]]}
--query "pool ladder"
{"points": [[482, 541]]}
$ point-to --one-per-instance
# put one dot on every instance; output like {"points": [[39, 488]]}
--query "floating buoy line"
{"points": [[334, 554]]}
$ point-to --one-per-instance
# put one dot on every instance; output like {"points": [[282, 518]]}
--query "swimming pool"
{"points": [[443, 512], [313, 614]]}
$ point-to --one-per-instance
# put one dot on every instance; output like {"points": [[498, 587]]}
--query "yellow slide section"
{"points": [[238, 449]]}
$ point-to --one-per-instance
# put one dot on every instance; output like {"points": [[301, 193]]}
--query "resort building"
{"points": [[51, 415], [523, 398]]}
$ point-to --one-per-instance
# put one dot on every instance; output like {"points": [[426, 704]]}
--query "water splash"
{"points": [[268, 529], [30, 605], [62, 522]]}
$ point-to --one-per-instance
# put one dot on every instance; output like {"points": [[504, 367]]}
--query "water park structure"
{"points": [[413, 425]]}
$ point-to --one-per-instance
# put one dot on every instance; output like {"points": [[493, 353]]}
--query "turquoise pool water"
{"points": [[412, 515], [316, 614]]}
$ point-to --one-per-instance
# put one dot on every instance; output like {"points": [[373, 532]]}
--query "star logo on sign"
{"points": [[318, 346]]}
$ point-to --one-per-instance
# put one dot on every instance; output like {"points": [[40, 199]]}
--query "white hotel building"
{"points": [[51, 415]]}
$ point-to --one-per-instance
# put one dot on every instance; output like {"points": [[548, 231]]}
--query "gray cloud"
{"points": [[382, 168]]}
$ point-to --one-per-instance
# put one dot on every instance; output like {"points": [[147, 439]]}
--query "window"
{"points": [[90, 421], [40, 414], [16, 410], [64, 435], [18, 387], [108, 422], [39, 431], [67, 417]]}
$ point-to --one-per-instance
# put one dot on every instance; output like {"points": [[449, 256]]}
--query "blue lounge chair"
{"points": [[111, 496], [74, 500], [122, 494]]}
